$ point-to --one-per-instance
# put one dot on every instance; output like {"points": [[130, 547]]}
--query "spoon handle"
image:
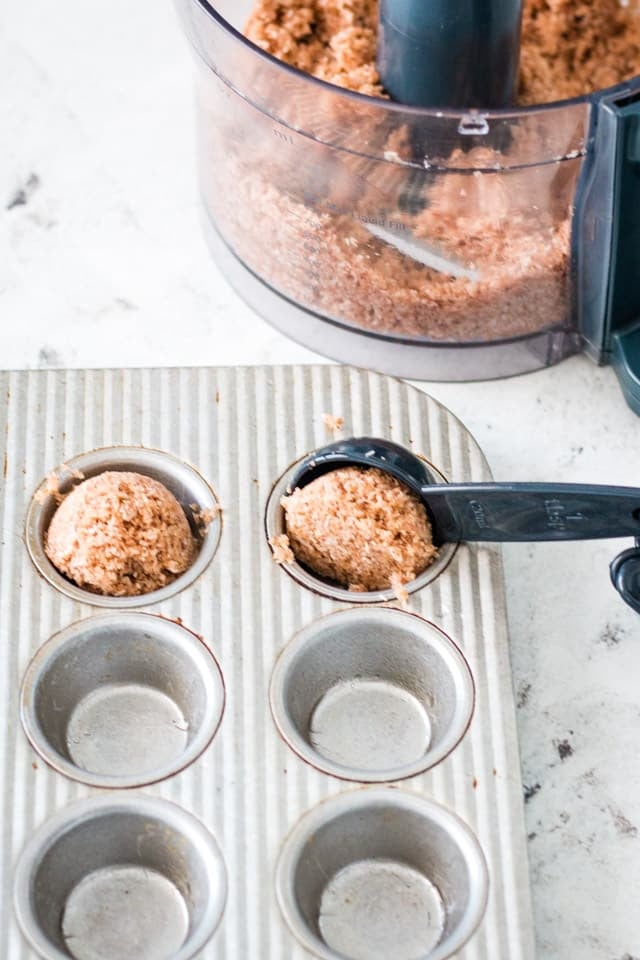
{"points": [[503, 512]]}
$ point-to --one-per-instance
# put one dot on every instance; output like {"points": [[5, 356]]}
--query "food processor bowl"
{"points": [[432, 244]]}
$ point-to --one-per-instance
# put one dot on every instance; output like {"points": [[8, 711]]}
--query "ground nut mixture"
{"points": [[335, 41], [296, 213], [120, 534], [569, 47], [361, 528]]}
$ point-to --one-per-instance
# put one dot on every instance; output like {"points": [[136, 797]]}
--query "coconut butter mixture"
{"points": [[359, 527]]}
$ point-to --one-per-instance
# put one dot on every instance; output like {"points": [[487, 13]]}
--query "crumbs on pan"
{"points": [[333, 423], [204, 516], [51, 484], [282, 552], [400, 591]]}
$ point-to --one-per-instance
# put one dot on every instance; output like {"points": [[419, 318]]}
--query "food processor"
{"points": [[443, 244]]}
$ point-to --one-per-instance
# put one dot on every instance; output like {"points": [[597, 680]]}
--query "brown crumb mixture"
{"points": [[51, 485], [120, 534], [335, 40], [203, 518], [569, 47], [282, 552], [400, 591], [573, 47], [361, 528], [333, 423], [521, 256]]}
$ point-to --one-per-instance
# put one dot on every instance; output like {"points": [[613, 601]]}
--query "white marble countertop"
{"points": [[102, 263]]}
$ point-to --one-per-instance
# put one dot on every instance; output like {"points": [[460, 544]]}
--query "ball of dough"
{"points": [[359, 527], [120, 534]]}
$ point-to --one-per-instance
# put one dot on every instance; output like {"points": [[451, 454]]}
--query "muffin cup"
{"points": [[189, 488], [122, 699], [130, 877], [372, 695], [275, 525], [381, 873]]}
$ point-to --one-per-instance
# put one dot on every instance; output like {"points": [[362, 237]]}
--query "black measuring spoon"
{"points": [[499, 512]]}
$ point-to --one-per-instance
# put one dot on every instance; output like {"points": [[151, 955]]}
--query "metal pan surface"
{"points": [[240, 429]]}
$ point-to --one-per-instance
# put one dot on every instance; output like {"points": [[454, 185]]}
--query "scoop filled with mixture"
{"points": [[361, 528], [120, 534]]}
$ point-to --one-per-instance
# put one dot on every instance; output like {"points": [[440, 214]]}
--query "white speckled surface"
{"points": [[105, 265]]}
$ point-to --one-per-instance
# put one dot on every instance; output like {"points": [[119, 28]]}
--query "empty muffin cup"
{"points": [[122, 699], [372, 695], [276, 529], [380, 873], [132, 878], [190, 489]]}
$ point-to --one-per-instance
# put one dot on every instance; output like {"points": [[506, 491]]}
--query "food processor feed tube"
{"points": [[450, 53]]}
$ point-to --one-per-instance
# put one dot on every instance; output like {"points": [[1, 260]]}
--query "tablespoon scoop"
{"points": [[496, 512]]}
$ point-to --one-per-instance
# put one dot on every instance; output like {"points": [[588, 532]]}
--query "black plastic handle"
{"points": [[501, 512]]}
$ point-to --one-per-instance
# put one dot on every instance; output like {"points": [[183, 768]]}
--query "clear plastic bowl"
{"points": [[332, 213]]}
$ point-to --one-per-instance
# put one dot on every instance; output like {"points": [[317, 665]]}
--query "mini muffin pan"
{"points": [[324, 773]]}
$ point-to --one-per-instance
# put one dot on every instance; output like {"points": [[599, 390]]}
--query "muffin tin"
{"points": [[315, 772]]}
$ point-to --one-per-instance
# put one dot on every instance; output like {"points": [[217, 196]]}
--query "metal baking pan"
{"points": [[250, 764]]}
